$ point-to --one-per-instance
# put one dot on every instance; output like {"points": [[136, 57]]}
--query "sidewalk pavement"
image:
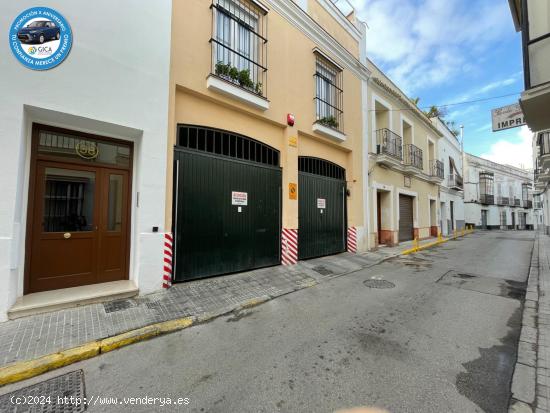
{"points": [[531, 380], [32, 337]]}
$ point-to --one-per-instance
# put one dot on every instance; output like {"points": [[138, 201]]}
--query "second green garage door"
{"points": [[322, 208], [227, 204]]}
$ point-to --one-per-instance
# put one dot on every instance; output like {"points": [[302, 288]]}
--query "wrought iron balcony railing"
{"points": [[455, 181], [487, 199], [389, 143], [517, 202], [436, 169], [412, 155], [503, 200], [527, 203]]}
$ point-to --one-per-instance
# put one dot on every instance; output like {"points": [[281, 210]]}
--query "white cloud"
{"points": [[516, 153], [428, 42]]}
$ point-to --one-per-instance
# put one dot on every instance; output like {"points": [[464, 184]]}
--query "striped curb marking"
{"points": [[289, 247]]}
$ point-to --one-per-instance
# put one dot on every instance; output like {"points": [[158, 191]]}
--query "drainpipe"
{"points": [[462, 150], [366, 143]]}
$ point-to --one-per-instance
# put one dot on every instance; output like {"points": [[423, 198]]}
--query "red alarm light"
{"points": [[290, 119]]}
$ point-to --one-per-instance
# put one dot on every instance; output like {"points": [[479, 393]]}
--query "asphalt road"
{"points": [[444, 339]]}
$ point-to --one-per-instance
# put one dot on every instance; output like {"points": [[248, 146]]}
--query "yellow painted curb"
{"points": [[124, 339], [253, 302], [27, 369]]}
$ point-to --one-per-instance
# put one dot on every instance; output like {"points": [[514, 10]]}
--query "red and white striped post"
{"points": [[167, 267], [352, 240], [289, 247]]}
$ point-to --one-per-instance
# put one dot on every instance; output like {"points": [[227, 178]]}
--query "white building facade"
{"points": [[83, 160], [451, 191], [497, 196]]}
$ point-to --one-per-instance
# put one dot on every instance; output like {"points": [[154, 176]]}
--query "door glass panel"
{"points": [[114, 214], [84, 149], [68, 200]]}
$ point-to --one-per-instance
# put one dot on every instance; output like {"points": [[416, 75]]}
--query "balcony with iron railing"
{"points": [[412, 156], [503, 200], [517, 202], [436, 170], [389, 143], [487, 199], [455, 182], [527, 203]]}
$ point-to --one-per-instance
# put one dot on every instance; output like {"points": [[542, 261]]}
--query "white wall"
{"points": [[507, 176], [115, 83]]}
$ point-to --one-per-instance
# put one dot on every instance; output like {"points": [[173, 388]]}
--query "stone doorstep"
{"points": [[47, 301]]}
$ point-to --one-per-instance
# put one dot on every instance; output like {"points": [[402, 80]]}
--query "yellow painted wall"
{"points": [[394, 179], [290, 89]]}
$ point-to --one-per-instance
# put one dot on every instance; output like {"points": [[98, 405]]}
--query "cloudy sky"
{"points": [[449, 51]]}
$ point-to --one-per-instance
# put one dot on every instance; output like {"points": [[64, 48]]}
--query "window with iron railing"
{"points": [[486, 188], [389, 143], [239, 44], [543, 142], [412, 155], [329, 101], [436, 168]]}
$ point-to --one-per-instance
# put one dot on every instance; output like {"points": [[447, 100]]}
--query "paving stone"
{"points": [[31, 337], [517, 406], [523, 383]]}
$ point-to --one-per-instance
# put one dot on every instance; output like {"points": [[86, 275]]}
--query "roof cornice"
{"points": [[303, 22], [414, 109]]}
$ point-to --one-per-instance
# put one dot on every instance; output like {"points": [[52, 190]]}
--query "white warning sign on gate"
{"points": [[239, 198], [321, 203]]}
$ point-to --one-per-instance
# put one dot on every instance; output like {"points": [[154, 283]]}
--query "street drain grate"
{"points": [[381, 284], [118, 305], [321, 269], [49, 396]]}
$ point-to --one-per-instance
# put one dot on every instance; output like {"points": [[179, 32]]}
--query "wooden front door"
{"points": [[78, 219]]}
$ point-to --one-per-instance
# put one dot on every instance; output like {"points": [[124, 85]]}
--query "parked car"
{"points": [[39, 31]]}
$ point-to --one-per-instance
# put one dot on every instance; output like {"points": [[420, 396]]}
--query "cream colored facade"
{"points": [[394, 123], [297, 32]]}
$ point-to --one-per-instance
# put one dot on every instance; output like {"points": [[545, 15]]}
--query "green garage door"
{"points": [[227, 204], [322, 208]]}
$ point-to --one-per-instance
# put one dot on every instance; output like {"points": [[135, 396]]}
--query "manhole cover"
{"points": [[321, 269], [382, 284], [50, 396]]}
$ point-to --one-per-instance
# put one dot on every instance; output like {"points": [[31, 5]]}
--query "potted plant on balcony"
{"points": [[329, 121]]}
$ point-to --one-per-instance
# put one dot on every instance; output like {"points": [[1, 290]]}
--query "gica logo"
{"points": [[40, 38]]}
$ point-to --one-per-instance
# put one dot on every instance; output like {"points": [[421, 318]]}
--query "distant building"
{"points": [[497, 196], [451, 191]]}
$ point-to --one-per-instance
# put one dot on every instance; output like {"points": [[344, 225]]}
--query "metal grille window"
{"points": [[486, 187], [321, 167], [543, 143], [329, 94], [239, 44], [503, 218], [227, 144]]}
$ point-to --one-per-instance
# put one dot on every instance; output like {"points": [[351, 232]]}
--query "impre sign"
{"points": [[507, 117]]}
